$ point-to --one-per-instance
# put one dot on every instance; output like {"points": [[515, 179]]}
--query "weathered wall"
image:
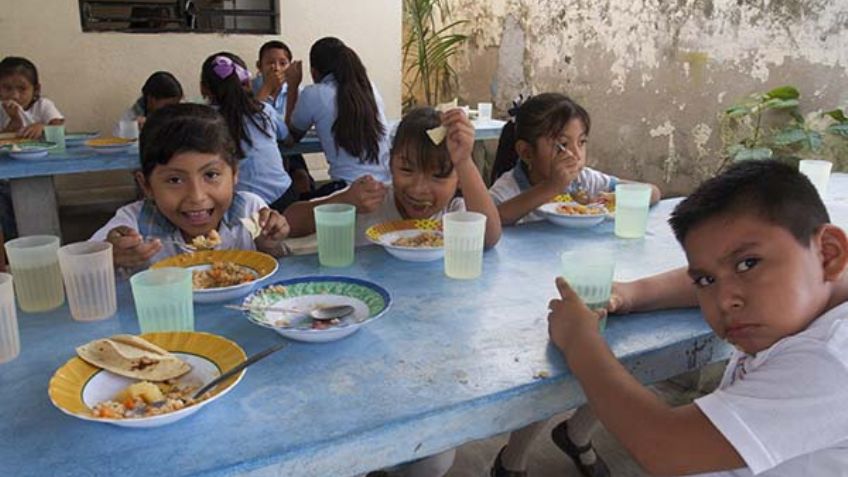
{"points": [[655, 74]]}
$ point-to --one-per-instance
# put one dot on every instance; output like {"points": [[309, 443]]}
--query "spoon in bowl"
{"points": [[321, 313], [237, 368]]}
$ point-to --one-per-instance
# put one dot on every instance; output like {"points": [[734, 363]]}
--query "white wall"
{"points": [[94, 77]]}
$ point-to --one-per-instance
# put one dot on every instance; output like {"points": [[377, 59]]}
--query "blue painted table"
{"points": [[451, 361]]}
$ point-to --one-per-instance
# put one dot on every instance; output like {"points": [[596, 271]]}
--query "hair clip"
{"points": [[516, 105], [224, 67]]}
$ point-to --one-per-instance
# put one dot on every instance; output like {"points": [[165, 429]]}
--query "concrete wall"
{"points": [[94, 77], [654, 74]]}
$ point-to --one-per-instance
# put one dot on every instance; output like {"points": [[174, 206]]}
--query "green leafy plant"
{"points": [[427, 50]]}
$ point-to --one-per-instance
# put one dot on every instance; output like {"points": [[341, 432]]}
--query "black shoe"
{"points": [[498, 470], [599, 468]]}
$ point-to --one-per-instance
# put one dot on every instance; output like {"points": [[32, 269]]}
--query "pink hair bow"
{"points": [[224, 67]]}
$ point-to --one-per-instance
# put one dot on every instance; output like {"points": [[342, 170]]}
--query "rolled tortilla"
{"points": [[133, 357]]}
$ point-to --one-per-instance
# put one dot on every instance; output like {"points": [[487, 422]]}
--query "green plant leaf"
{"points": [[836, 114], [814, 141], [746, 154], [737, 110], [840, 129], [784, 92], [789, 136], [778, 103]]}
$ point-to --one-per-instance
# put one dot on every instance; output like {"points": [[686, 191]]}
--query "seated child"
{"points": [[543, 150], [24, 110], [188, 173], [161, 89], [425, 178], [768, 271]]}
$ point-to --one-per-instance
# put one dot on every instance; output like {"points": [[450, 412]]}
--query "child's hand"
{"points": [[33, 131], [621, 300], [460, 135], [275, 78], [294, 74], [366, 193], [12, 109], [275, 229], [129, 248], [561, 175], [569, 318]]}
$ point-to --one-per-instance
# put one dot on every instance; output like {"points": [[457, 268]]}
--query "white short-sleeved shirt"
{"points": [[388, 212], [785, 409], [42, 111], [145, 218], [261, 171], [316, 105], [515, 181]]}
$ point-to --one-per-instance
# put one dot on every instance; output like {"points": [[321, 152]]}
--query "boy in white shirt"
{"points": [[768, 271]]}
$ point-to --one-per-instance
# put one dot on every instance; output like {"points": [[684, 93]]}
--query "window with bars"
{"points": [[203, 16]]}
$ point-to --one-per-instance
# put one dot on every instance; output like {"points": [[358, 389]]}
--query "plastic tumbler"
{"points": [[35, 266], [631, 209], [163, 299], [56, 134], [89, 279], [128, 129], [484, 111], [818, 172], [10, 343], [590, 276], [335, 225], [464, 233]]}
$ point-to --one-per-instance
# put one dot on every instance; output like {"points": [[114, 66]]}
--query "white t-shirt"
{"points": [[42, 111], [143, 217], [785, 409], [515, 181]]}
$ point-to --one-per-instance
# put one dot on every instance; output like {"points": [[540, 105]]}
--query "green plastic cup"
{"points": [[465, 234], [56, 134], [335, 225], [163, 299], [631, 209], [590, 275]]}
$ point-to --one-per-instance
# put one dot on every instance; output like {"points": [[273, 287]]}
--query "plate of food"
{"points": [[144, 381], [222, 275], [75, 139], [30, 149], [109, 145], [285, 306], [572, 214], [412, 240]]}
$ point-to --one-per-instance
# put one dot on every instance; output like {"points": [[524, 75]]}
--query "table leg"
{"points": [[36, 210]]}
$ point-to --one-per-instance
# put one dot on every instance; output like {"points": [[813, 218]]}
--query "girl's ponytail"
{"points": [[506, 156]]}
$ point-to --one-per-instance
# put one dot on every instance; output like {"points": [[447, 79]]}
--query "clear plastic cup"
{"points": [[89, 277], [484, 111], [128, 129], [464, 234], [631, 209], [335, 225], [818, 172], [56, 134], [10, 343], [163, 299], [590, 275], [34, 263]]}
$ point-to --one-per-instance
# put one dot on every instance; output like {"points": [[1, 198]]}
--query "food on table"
{"points": [[424, 239], [579, 209], [133, 357], [222, 274], [607, 199], [146, 399], [108, 141], [325, 324], [206, 242], [581, 196]]}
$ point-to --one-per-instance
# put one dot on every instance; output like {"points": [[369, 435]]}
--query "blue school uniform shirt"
{"points": [[261, 171], [278, 103], [316, 106]]}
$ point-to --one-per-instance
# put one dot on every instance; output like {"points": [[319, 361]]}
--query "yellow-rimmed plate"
{"points": [[109, 145], [77, 386], [260, 263], [388, 233], [553, 211]]}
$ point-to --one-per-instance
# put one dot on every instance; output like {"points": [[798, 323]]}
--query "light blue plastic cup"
{"points": [[163, 299], [335, 225], [631, 209], [590, 275]]}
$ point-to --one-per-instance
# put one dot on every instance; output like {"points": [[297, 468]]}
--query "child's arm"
{"points": [[294, 75], [275, 229], [366, 193], [15, 113], [664, 440], [129, 248], [460, 142], [561, 175], [270, 85], [656, 194], [669, 289]]}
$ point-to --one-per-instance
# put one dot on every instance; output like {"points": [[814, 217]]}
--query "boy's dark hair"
{"points": [[16, 65], [235, 104], [543, 115], [412, 142], [357, 128], [274, 45], [769, 189], [184, 127], [161, 85]]}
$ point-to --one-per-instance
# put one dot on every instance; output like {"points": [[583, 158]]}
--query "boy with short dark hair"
{"points": [[767, 269]]}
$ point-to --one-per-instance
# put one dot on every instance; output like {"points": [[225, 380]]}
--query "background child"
{"points": [[161, 89], [252, 125], [425, 178], [270, 86], [346, 110], [24, 111], [768, 271], [542, 153], [188, 173]]}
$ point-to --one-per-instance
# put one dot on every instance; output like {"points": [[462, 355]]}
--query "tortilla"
{"points": [[252, 225], [437, 134], [133, 357]]}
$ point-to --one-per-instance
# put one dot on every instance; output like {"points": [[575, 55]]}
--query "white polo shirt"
{"points": [[42, 111]]}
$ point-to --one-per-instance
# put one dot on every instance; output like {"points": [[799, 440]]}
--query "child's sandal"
{"points": [[498, 469], [559, 435]]}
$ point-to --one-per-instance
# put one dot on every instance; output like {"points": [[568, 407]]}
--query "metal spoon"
{"points": [[321, 313], [237, 368]]}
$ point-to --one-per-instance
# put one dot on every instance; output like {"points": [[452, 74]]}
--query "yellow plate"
{"points": [[77, 379], [109, 142], [386, 234], [422, 225]]}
